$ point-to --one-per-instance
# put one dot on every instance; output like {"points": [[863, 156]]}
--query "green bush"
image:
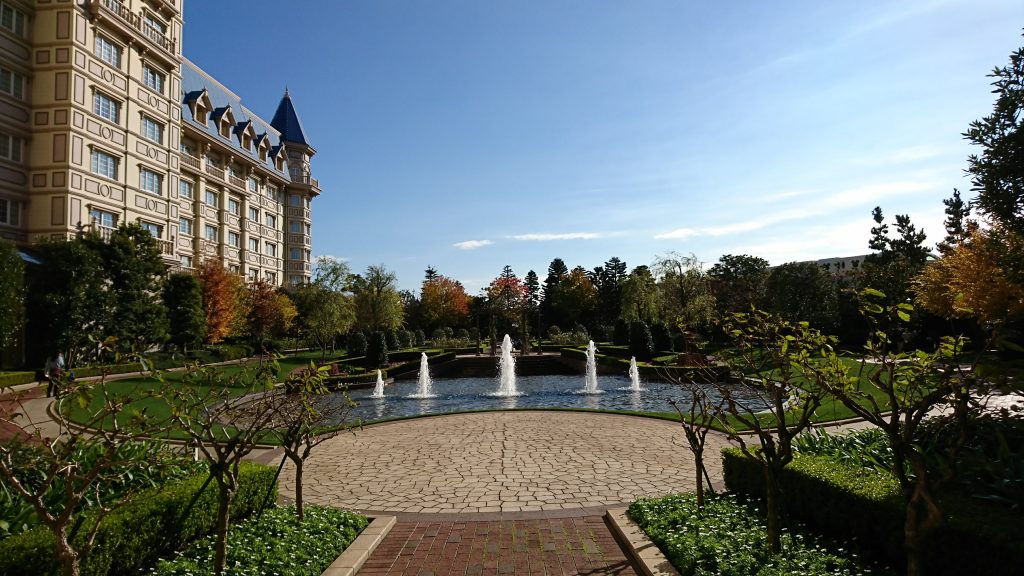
{"points": [[16, 378], [728, 538], [641, 344], [153, 524], [850, 501], [377, 351], [296, 548], [357, 344]]}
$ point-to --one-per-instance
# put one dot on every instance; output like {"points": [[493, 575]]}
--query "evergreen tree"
{"points": [[357, 344], [662, 337], [879, 241], [557, 271], [620, 335], [183, 298], [738, 282], [641, 344], [67, 302], [532, 283], [12, 294], [135, 271], [377, 351], [803, 292], [957, 223]]}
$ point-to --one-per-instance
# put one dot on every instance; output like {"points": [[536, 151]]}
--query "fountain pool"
{"points": [[553, 391]]}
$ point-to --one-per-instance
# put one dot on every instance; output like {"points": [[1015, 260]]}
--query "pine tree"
{"points": [[957, 223], [183, 297]]}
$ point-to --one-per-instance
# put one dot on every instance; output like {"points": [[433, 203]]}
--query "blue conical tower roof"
{"points": [[286, 121]]}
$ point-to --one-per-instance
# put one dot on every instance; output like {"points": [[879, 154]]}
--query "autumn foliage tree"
{"points": [[443, 301], [223, 299], [968, 282], [507, 295], [270, 313]]}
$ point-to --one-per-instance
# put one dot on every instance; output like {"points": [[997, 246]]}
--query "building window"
{"points": [[271, 277], [10, 147], [152, 130], [106, 107], [185, 226], [108, 51], [104, 164], [234, 206], [295, 254], [186, 261], [295, 200], [151, 181], [154, 229], [154, 29], [296, 280], [12, 83], [295, 227], [225, 128], [210, 233], [254, 245], [272, 192], [186, 189], [10, 212], [254, 214], [212, 160], [234, 239], [12, 19], [210, 197], [271, 249], [234, 268], [103, 218], [254, 184], [254, 274], [152, 78], [187, 148], [272, 221]]}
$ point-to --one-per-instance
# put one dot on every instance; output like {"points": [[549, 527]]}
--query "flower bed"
{"points": [[728, 539], [275, 543]]}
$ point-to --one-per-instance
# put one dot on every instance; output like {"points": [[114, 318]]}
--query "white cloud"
{"points": [[544, 237], [472, 244]]}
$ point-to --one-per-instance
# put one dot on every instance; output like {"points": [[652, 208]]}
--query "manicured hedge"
{"points": [[154, 524], [15, 378], [854, 502]]}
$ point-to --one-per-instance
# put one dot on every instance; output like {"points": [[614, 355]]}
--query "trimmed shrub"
{"points": [[437, 334], [553, 331], [357, 344], [153, 524], [847, 501], [15, 378], [662, 337], [421, 337], [406, 339], [641, 344], [620, 334], [377, 351], [462, 333]]}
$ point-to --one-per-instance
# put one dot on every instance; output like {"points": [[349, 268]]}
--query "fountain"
{"points": [[378, 390], [425, 386], [591, 378], [507, 370], [634, 375]]}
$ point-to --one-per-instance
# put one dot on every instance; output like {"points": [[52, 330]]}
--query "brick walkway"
{"points": [[581, 545]]}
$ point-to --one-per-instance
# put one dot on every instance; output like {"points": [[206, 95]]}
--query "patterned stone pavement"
{"points": [[582, 545], [503, 463]]}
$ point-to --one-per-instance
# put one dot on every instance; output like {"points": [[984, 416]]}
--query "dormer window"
{"points": [[262, 146], [201, 107], [226, 121], [245, 134]]}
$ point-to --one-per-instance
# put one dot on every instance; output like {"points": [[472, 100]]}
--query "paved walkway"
{"points": [[502, 463], [582, 545]]}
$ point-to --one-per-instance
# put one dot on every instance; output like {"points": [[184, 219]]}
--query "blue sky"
{"points": [[470, 134]]}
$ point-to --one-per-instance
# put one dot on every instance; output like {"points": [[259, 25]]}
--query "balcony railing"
{"points": [[215, 171], [237, 182], [105, 232], [166, 247], [191, 162], [125, 15], [304, 178]]}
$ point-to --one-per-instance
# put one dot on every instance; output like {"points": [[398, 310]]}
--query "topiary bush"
{"points": [[662, 337], [377, 351], [357, 344], [641, 344], [421, 337]]}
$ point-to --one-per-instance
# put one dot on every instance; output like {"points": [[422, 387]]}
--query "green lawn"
{"points": [[142, 389]]}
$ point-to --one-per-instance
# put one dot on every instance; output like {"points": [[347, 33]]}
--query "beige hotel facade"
{"points": [[103, 122]]}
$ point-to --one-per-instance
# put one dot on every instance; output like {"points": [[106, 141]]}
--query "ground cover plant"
{"points": [[276, 542], [728, 538]]}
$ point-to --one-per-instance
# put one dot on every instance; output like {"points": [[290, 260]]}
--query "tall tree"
{"points": [[608, 280], [532, 283], [378, 305], [444, 301], [507, 295], [738, 282], [803, 292], [323, 315], [223, 299], [68, 304], [429, 274], [686, 296], [640, 298], [270, 314], [135, 270], [897, 260], [577, 297], [332, 274], [183, 298], [997, 172], [557, 271], [958, 224], [12, 294]]}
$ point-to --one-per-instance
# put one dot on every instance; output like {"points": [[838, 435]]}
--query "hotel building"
{"points": [[103, 122]]}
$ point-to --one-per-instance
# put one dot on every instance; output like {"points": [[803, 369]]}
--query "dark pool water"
{"points": [[458, 394]]}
